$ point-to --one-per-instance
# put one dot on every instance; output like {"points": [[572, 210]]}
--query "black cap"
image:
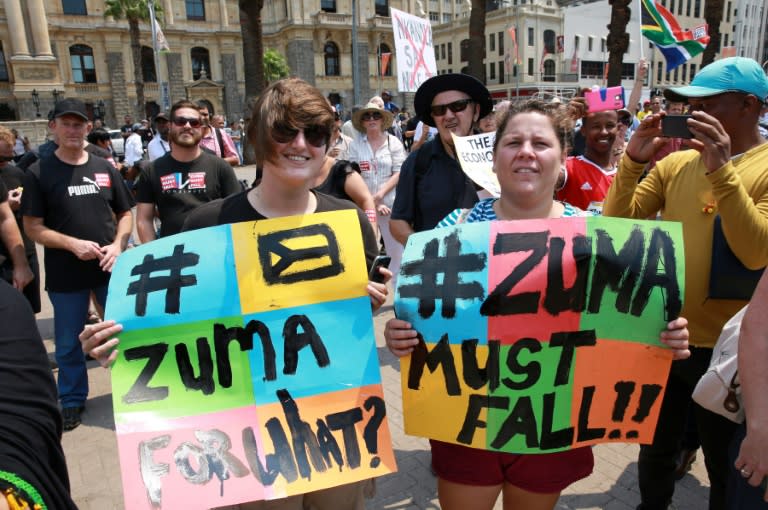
{"points": [[161, 115], [70, 106], [474, 88]]}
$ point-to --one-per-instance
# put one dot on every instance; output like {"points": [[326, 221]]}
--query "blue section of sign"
{"points": [[445, 297], [345, 330], [182, 278]]}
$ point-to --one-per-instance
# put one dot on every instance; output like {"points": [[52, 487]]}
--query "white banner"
{"points": [[415, 53], [475, 155]]}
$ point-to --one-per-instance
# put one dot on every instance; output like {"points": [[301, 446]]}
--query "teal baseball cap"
{"points": [[732, 74]]}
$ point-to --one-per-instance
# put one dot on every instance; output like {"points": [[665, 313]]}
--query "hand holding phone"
{"points": [[380, 261], [602, 99], [676, 126]]}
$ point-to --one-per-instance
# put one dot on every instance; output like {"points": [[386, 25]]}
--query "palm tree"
{"points": [[476, 50], [253, 59], [135, 11], [618, 39], [713, 14], [275, 66]]}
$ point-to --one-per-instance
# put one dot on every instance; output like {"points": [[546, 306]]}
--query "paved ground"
{"points": [[91, 451]]}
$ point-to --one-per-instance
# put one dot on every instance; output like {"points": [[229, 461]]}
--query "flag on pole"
{"points": [[161, 44], [661, 28], [513, 36], [385, 62]]}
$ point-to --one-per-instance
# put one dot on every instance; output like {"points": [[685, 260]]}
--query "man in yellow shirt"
{"points": [[723, 181]]}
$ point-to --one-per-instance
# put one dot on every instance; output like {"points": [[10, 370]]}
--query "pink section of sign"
{"points": [[191, 463], [531, 253]]}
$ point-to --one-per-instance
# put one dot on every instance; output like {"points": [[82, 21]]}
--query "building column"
{"points": [[38, 22], [223, 13], [168, 12], [16, 25]]}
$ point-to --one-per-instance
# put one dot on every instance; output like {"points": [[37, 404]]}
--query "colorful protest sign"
{"points": [[539, 335], [415, 53], [475, 155], [235, 381]]}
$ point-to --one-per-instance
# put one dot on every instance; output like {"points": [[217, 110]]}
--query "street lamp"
{"points": [[98, 109], [56, 95], [36, 102]]}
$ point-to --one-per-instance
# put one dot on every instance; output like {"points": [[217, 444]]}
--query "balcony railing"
{"points": [[332, 18]]}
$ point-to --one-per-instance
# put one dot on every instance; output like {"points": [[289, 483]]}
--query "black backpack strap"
{"points": [[221, 140]]}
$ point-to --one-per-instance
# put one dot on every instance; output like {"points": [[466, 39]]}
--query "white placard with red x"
{"points": [[415, 53]]}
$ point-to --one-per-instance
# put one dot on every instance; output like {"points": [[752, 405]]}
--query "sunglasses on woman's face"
{"points": [[183, 121], [372, 116], [315, 135], [6, 159], [438, 110]]}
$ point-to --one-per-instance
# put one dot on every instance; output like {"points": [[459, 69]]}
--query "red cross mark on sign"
{"points": [[420, 62]]}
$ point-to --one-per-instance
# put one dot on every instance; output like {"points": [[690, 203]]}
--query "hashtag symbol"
{"points": [[171, 284], [451, 265]]}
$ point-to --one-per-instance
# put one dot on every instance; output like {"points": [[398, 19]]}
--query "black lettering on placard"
{"points": [[499, 301], [619, 271], [268, 350], [222, 337], [279, 272], [451, 265], [661, 250], [329, 446], [532, 370], [648, 396], [586, 433], [302, 437], [440, 355], [521, 420], [151, 471], [279, 463], [371, 431], [140, 390], [557, 298], [624, 390], [569, 341], [472, 419], [296, 341], [345, 422], [551, 439], [171, 284], [204, 381], [474, 376]]}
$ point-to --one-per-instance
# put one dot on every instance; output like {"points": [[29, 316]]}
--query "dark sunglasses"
{"points": [[315, 134], [336, 116], [372, 115], [438, 110], [183, 121], [6, 159]]}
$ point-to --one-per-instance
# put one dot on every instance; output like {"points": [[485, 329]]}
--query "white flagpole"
{"points": [[162, 86]]}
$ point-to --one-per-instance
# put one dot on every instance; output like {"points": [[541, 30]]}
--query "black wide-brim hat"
{"points": [[470, 85]]}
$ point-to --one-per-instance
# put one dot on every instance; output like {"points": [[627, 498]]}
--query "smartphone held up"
{"points": [[676, 126]]}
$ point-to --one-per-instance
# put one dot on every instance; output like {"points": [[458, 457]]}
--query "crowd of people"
{"points": [[553, 159]]}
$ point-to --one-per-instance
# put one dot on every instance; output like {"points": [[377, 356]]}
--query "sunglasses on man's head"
{"points": [[372, 116], [438, 110], [315, 135], [183, 121]]}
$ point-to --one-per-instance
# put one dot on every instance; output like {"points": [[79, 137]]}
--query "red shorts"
{"points": [[542, 473]]}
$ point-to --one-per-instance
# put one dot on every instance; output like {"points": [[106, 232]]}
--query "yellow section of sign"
{"points": [[430, 412], [299, 260]]}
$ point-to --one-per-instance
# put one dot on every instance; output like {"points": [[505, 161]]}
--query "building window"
{"points": [[500, 37], [381, 7], [384, 50], [331, 56], [492, 42], [728, 13], [549, 70], [195, 10], [659, 72], [696, 8], [148, 64], [602, 45], [328, 5], [442, 51], [201, 62], [530, 67], [725, 42], [549, 41], [450, 53], [76, 7], [692, 71], [672, 6], [688, 7], [3, 65], [446, 17], [434, 16], [492, 71], [589, 43], [501, 74], [81, 59], [683, 77], [530, 36], [576, 39]]}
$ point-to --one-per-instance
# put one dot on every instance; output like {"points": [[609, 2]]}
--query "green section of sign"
{"points": [[147, 375], [644, 267], [538, 404]]}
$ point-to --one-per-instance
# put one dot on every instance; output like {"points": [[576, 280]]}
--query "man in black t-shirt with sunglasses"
{"points": [[182, 179]]}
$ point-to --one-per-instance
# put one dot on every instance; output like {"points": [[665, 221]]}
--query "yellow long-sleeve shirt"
{"points": [[679, 187]]}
